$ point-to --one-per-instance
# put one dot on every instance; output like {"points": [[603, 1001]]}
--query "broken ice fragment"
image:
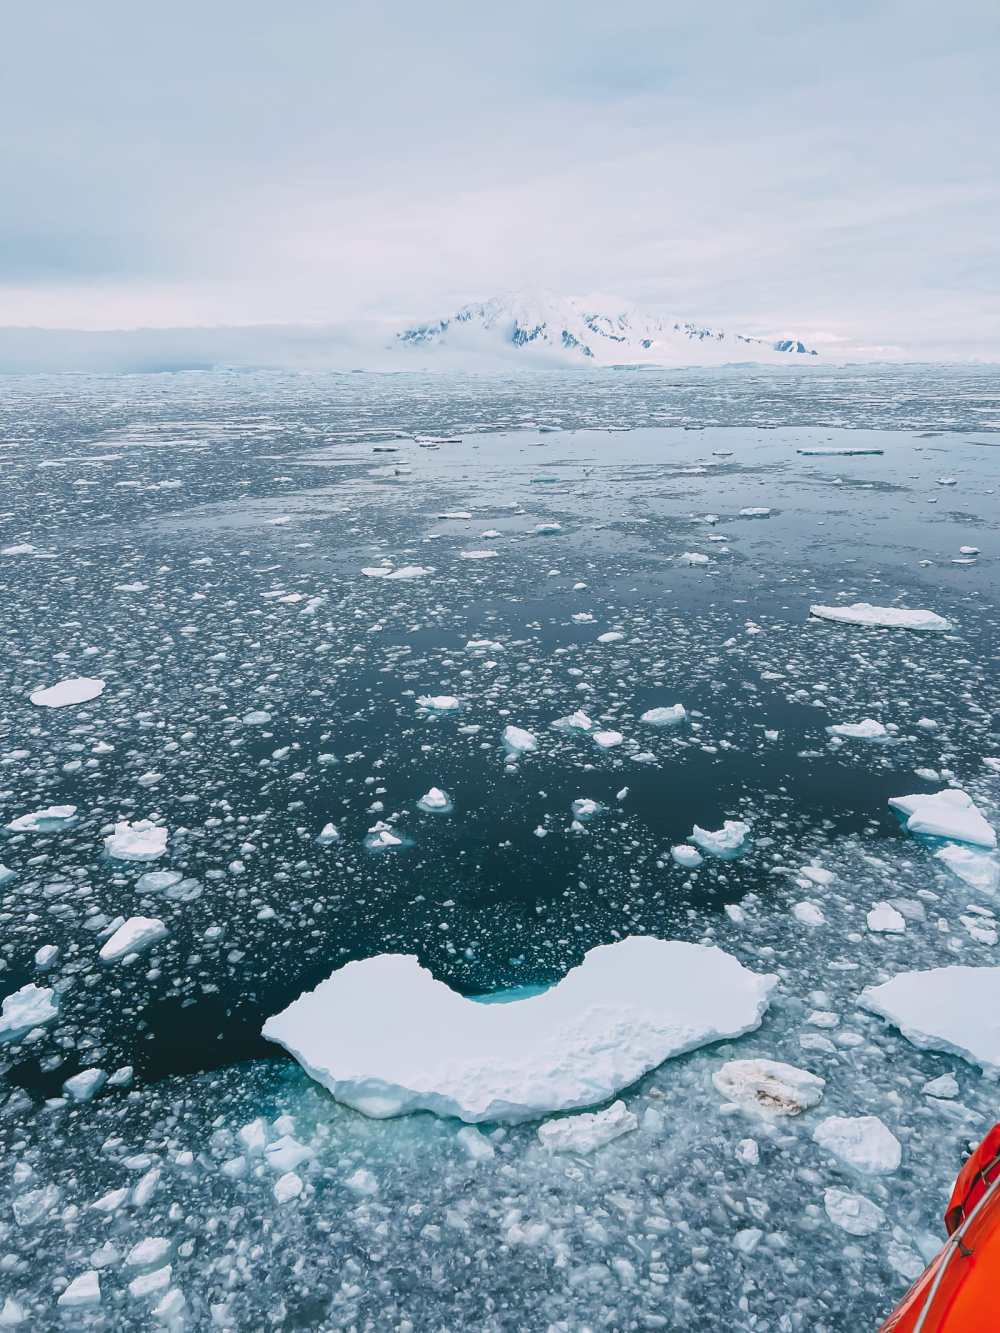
{"points": [[76, 690]]}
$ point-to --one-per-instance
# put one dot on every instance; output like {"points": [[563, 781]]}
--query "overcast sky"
{"points": [[830, 171]]}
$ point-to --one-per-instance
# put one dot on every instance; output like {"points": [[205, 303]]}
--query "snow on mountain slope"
{"points": [[569, 331]]}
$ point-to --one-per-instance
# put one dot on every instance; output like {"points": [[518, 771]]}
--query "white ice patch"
{"points": [[435, 802], [439, 703], [30, 1007], [75, 690], [727, 841], [518, 741], [980, 870], [588, 1132], [946, 814], [853, 1213], [862, 1141], [954, 1009], [138, 933], [141, 841], [881, 617], [386, 1038], [769, 1086], [49, 820], [664, 717], [868, 730]]}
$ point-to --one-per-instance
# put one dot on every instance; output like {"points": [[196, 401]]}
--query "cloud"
{"points": [[777, 168]]}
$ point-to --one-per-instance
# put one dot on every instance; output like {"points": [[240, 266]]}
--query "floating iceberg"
{"points": [[881, 617], [954, 1009], [138, 933], [436, 802], [727, 841], [867, 730], [588, 1132], [833, 451], [141, 841], [664, 717], [853, 1213], [76, 690], [946, 814], [439, 703], [769, 1086], [49, 820], [518, 741], [862, 1141], [387, 1038], [27, 1008], [979, 870]]}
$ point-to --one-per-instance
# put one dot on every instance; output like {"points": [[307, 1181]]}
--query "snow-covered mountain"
{"points": [[569, 331]]}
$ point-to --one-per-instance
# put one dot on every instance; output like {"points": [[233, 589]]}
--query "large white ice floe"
{"points": [[27, 1008], [980, 870], [138, 933], [881, 617], [769, 1086], [954, 1009], [727, 841], [867, 730], [76, 690], [946, 814], [141, 841], [664, 717], [387, 1038], [862, 1141]]}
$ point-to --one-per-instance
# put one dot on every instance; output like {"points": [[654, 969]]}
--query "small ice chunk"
{"points": [[518, 741], [138, 933], [950, 1009], [436, 802], [686, 855], [577, 721], [148, 1253], [664, 717], [946, 814], [748, 1152], [727, 841], [49, 820], [287, 1187], [155, 881], [27, 1008], [769, 1086], [475, 1144], [945, 1085], [327, 834], [585, 1133], [692, 558], [881, 617], [809, 914], [884, 919], [862, 1141], [362, 1182], [141, 841], [755, 511], [607, 740], [76, 690], [439, 703], [980, 870], [584, 808], [611, 636], [286, 1153], [853, 1213], [866, 730], [82, 1291], [85, 1085]]}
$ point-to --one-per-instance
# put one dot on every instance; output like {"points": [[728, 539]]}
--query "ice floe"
{"points": [[75, 690], [624, 1010], [518, 741], [769, 1086], [664, 717], [50, 820], [864, 1142], [867, 730], [436, 802], [951, 813], [137, 933], [851, 1212], [587, 1132], [980, 870], [725, 842], [954, 1009], [30, 1007], [141, 841], [881, 617]]}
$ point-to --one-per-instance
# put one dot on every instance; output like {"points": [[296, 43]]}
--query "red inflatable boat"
{"points": [[959, 1290]]}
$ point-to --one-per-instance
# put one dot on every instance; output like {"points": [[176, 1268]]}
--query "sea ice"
{"points": [[82, 1291], [862, 1141], [727, 841], [607, 740], [49, 820], [954, 1009], [769, 1086], [435, 802], [883, 918], [881, 617], [686, 855], [138, 933], [853, 1213], [946, 814], [589, 1131], [692, 558], [27, 1008], [76, 690], [386, 1038], [868, 730], [980, 870], [519, 741], [664, 717], [438, 703], [141, 841]]}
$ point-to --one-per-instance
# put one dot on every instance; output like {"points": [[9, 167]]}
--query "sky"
{"points": [[825, 171]]}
